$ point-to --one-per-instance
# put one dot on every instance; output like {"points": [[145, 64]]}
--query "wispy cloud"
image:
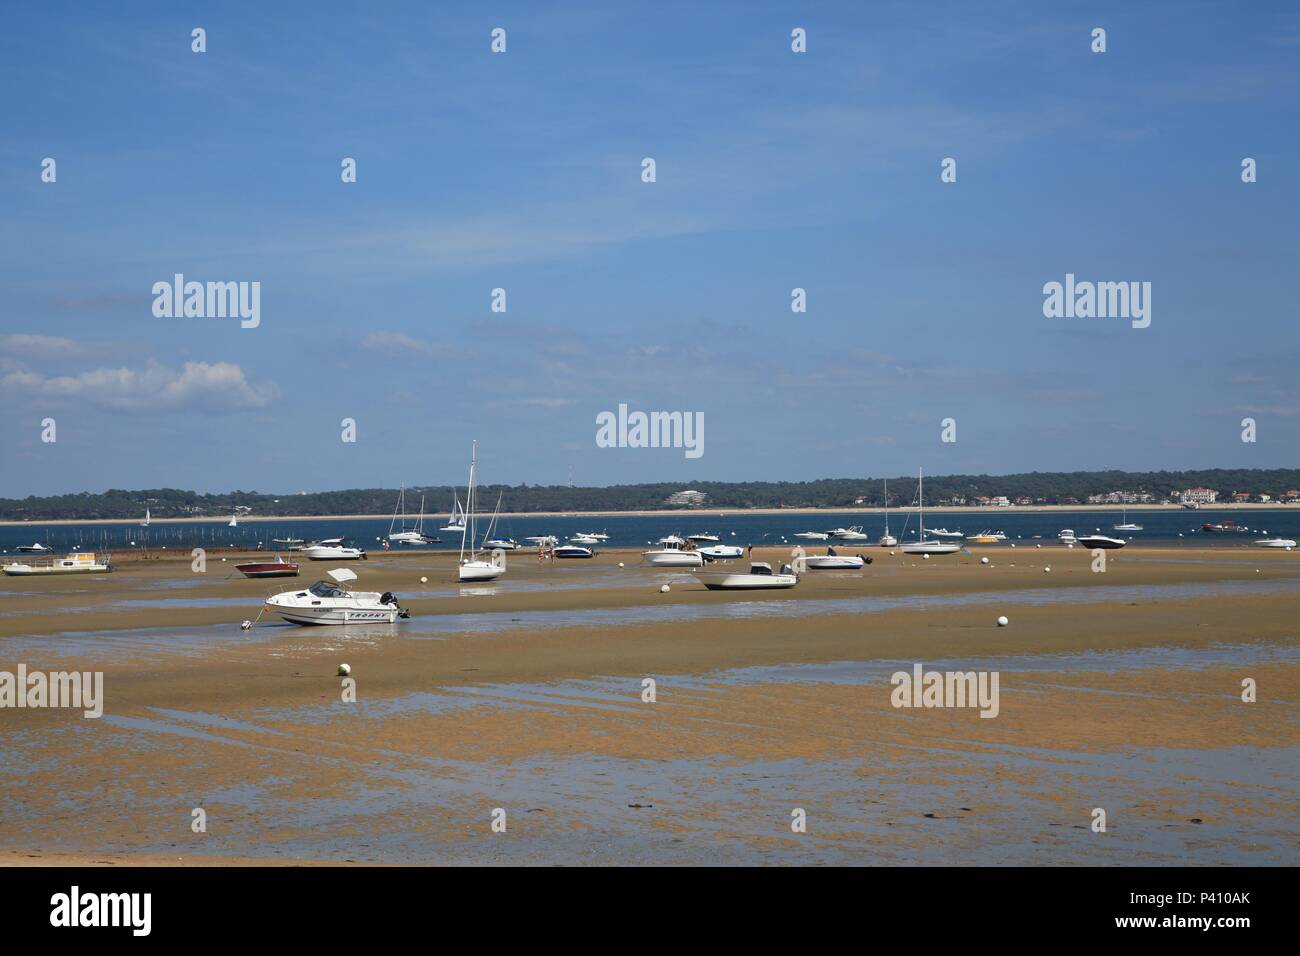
{"points": [[216, 387]]}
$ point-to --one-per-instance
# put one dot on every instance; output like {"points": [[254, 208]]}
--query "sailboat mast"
{"points": [[467, 526], [920, 499]]}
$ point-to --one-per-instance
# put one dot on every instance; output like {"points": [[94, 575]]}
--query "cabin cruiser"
{"points": [[813, 535], [573, 551], [760, 576], [501, 544], [1285, 543], [543, 540], [1067, 536], [1100, 541], [944, 533], [673, 553], [333, 549], [848, 534], [703, 537], [83, 562], [722, 552], [35, 548], [598, 535], [1221, 526], [327, 602]]}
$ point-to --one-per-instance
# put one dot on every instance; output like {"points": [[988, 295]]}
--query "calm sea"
{"points": [[1164, 528]]}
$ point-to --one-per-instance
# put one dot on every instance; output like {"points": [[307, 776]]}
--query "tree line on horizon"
{"points": [[1042, 487]]}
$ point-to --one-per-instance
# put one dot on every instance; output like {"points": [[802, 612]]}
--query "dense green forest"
{"points": [[1041, 487]]}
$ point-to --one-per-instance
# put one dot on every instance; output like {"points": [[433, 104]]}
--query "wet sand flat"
{"points": [[1118, 690]]}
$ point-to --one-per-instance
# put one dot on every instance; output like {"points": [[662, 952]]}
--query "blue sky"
{"points": [[522, 171]]}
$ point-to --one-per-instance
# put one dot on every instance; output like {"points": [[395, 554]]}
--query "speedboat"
{"points": [[703, 537], [573, 551], [585, 539], [1067, 536], [943, 533], [501, 544], [82, 563], [1100, 541], [268, 569], [328, 603], [598, 535], [36, 548], [834, 562], [853, 533], [1285, 543], [983, 537], [813, 535], [333, 549], [543, 540], [760, 576], [673, 555], [722, 552]]}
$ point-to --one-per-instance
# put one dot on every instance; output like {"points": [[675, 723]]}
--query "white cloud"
{"points": [[42, 346], [218, 386], [389, 342]]}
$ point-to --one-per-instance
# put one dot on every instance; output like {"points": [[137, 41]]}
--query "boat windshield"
{"points": [[325, 589]]}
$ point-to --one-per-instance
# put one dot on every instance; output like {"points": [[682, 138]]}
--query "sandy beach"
{"points": [[1119, 690]]}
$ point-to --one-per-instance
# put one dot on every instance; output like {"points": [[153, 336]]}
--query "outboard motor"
{"points": [[785, 569]]}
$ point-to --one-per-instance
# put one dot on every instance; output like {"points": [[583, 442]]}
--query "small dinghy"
{"points": [[760, 577], [329, 603]]}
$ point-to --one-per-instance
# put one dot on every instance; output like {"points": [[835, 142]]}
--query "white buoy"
{"points": [[925, 557], [1045, 570], [344, 670], [984, 560], [620, 564], [424, 580], [891, 554], [663, 589], [1013, 544], [246, 626], [1038, 546], [1003, 622]]}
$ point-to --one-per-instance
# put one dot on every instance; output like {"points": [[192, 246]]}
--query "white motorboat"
{"points": [[573, 551], [289, 544], [760, 576], [722, 552], [703, 537], [329, 603], [923, 546], [1285, 544], [333, 549], [833, 562], [1100, 541], [544, 540], [887, 540], [35, 548], [585, 539], [597, 535], [83, 562], [853, 533], [473, 566], [672, 554], [813, 535], [501, 544], [1067, 536], [944, 533]]}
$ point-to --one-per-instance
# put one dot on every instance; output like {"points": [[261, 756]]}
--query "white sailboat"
{"points": [[405, 535], [456, 522], [145, 522], [234, 521], [1126, 525], [923, 546], [475, 568], [887, 540]]}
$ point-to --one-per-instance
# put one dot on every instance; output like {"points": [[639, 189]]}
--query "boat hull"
{"points": [[931, 547], [721, 581], [1100, 541], [479, 571], [833, 562], [673, 559], [268, 570]]}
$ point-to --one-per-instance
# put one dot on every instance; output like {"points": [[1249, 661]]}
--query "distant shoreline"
{"points": [[700, 513]]}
